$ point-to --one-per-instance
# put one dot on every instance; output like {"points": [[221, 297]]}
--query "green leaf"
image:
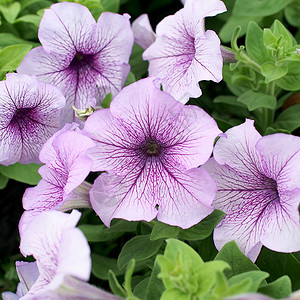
{"points": [[292, 13], [254, 100], [203, 229], [106, 101], [115, 285], [273, 72], [291, 81], [27, 3], [230, 100], [98, 233], [257, 278], [289, 118], [162, 231], [234, 21], [260, 8], [128, 277], [271, 130], [175, 293], [139, 67], [111, 5], [239, 263], [141, 287], [3, 181], [240, 287], [33, 19], [7, 39], [11, 11], [279, 30], [138, 248], [255, 46], [102, 264], [280, 264], [130, 79], [278, 289], [155, 286], [23, 173], [11, 57]]}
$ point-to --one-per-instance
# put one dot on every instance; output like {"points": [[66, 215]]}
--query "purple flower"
{"points": [[258, 189], [184, 53], [144, 36], [59, 248], [66, 167], [29, 114], [85, 59], [151, 146]]}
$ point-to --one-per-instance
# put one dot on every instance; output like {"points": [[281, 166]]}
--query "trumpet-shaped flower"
{"points": [[85, 59], [59, 248], [151, 146], [184, 53], [258, 189], [66, 167], [29, 114]]}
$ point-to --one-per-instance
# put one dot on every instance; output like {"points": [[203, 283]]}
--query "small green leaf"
{"points": [[106, 101], [175, 293], [291, 81], [155, 286], [98, 233], [130, 79], [259, 7], [23, 173], [271, 130], [141, 287], [3, 181], [203, 229], [278, 289], [102, 264], [111, 5], [12, 56], [139, 67], [138, 248], [279, 30], [11, 11], [273, 72], [254, 100], [115, 285], [257, 278], [128, 277], [255, 46], [239, 263], [7, 39], [289, 119], [33, 19], [162, 231], [292, 13]]}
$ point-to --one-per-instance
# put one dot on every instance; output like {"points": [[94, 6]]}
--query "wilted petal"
{"points": [[143, 33]]}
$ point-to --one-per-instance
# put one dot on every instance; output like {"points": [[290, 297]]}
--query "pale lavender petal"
{"points": [[67, 27], [112, 52], [28, 273], [143, 33], [183, 198], [182, 56], [10, 296], [59, 248], [30, 113]]}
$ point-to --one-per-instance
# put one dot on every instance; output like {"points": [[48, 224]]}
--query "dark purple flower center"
{"points": [[81, 60], [22, 114], [151, 147]]}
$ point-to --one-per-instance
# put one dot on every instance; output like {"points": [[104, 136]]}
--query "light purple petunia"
{"points": [[184, 53], [151, 146], [143, 33], [258, 181], [85, 59], [30, 113], [59, 249], [62, 186]]}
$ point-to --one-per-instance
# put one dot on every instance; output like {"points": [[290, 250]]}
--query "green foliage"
{"points": [[3, 181], [139, 248], [23, 173], [288, 119], [10, 11]]}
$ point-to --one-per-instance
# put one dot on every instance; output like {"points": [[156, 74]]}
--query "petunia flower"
{"points": [[258, 189], [184, 53], [62, 186], [59, 249], [143, 33], [85, 59], [151, 145], [30, 113]]}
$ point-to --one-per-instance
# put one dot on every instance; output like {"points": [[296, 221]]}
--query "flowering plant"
{"points": [[150, 150]]}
